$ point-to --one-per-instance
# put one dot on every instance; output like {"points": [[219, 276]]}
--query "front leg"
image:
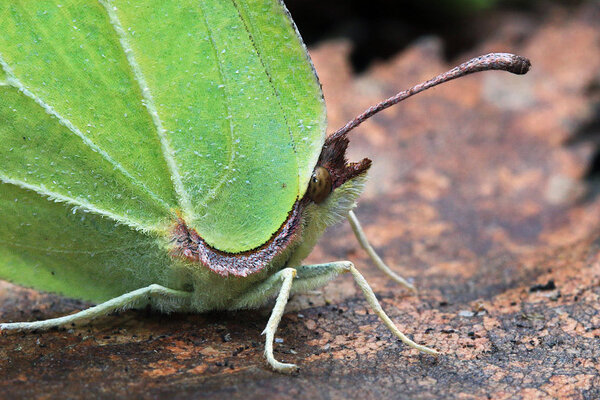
{"points": [[282, 282], [305, 278]]}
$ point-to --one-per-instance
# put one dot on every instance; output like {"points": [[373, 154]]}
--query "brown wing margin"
{"points": [[189, 245]]}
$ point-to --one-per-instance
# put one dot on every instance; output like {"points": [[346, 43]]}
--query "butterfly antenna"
{"points": [[493, 61]]}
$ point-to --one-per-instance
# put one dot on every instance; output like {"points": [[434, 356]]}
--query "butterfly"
{"points": [[174, 156]]}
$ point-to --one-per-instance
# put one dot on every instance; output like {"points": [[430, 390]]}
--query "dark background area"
{"points": [[379, 29]]}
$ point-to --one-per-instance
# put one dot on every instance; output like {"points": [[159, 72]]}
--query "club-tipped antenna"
{"points": [[493, 61]]}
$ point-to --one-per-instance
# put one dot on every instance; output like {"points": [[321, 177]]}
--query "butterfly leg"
{"points": [[311, 276], [281, 281], [305, 278], [169, 298], [376, 307], [362, 239]]}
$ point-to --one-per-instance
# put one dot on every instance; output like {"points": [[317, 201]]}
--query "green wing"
{"points": [[207, 107], [73, 117], [55, 247], [238, 100], [117, 116]]}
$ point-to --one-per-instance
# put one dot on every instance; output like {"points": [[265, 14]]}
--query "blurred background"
{"points": [[485, 167], [380, 29]]}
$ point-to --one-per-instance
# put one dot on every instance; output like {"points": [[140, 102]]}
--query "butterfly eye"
{"points": [[320, 185]]}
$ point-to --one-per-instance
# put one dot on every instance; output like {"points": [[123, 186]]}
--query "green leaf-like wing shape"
{"points": [[243, 109], [97, 261], [135, 110]]}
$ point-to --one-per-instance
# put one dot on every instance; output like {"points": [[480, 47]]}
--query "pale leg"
{"points": [[288, 275], [281, 281], [374, 303], [305, 272], [177, 298], [362, 239], [309, 277]]}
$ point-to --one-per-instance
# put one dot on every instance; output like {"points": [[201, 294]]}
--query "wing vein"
{"points": [[12, 80], [78, 203], [276, 94], [213, 192], [148, 101]]}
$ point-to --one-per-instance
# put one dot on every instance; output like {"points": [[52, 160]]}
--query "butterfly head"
{"points": [[333, 169]]}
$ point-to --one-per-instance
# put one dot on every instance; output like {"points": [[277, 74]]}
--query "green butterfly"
{"points": [[173, 155]]}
